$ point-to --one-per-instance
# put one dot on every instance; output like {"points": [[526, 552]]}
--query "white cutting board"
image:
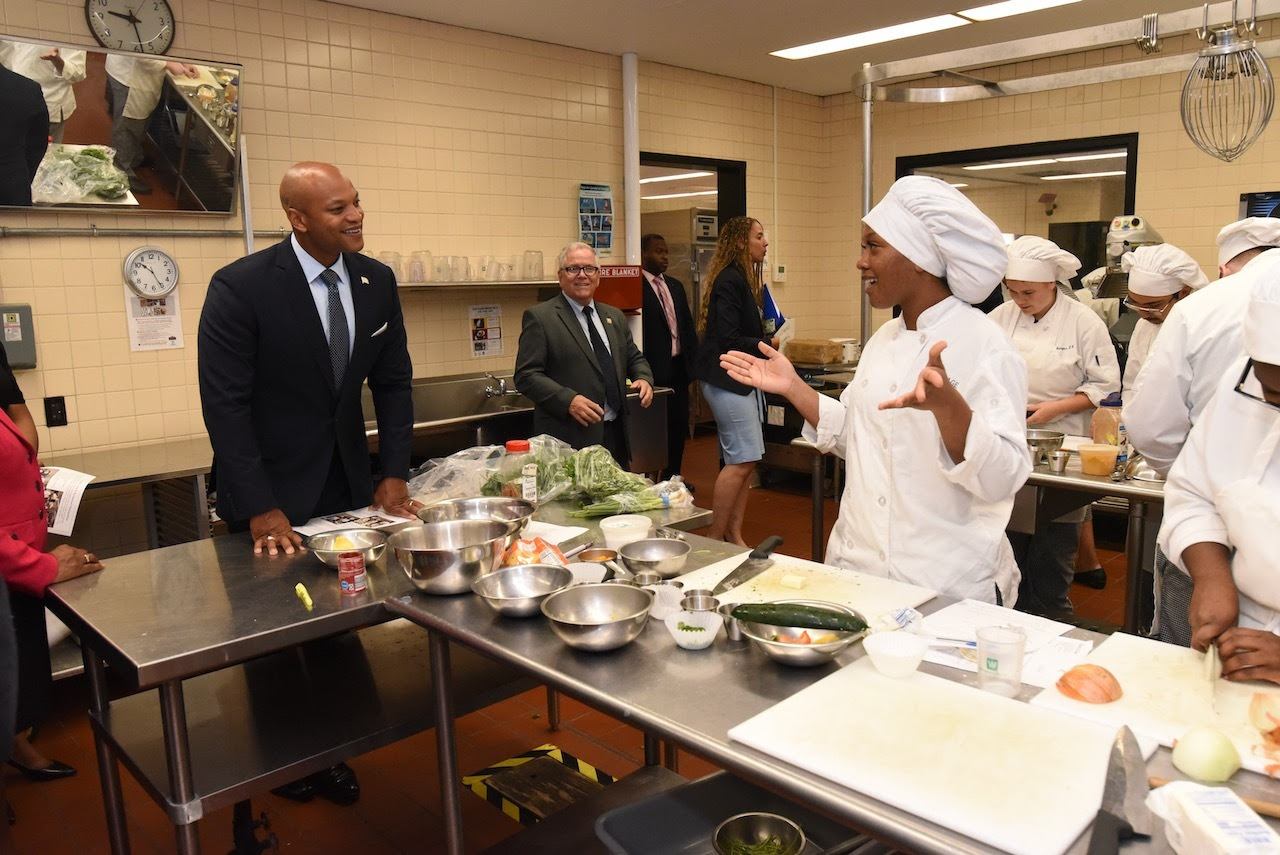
{"points": [[870, 595], [1020, 778], [1165, 694]]}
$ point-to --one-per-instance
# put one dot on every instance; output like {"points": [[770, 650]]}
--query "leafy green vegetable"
{"points": [[771, 845], [681, 625]]}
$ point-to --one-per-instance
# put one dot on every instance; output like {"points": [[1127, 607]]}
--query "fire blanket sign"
{"points": [[486, 330]]}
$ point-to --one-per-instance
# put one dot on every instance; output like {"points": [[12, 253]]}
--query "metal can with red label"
{"points": [[351, 575]]}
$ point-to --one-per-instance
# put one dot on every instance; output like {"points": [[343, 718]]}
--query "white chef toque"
{"points": [[1161, 270], [1262, 320], [939, 230], [1244, 235], [1034, 259]]}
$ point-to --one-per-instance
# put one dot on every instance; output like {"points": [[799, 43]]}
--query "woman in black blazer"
{"points": [[731, 317]]}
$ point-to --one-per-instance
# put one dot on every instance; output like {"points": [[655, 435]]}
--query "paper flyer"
{"points": [[595, 217], [357, 518], [486, 330], [63, 491], [154, 322]]}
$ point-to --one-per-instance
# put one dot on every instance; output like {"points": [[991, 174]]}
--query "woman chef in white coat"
{"points": [[933, 428], [1159, 276], [1222, 504], [1071, 366]]}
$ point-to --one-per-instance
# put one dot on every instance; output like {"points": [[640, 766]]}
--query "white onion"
{"points": [[1206, 754]]}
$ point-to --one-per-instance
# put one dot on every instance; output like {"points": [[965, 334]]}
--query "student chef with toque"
{"points": [[1159, 276], [933, 429], [1222, 503], [1071, 366], [1199, 343]]}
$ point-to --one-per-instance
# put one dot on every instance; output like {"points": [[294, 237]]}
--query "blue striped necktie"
{"points": [[338, 339]]}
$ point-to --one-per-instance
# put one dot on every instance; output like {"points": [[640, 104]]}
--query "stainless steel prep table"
{"points": [[1054, 494], [176, 619], [693, 699]]}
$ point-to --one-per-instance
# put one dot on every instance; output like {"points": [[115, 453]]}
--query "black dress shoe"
{"points": [[52, 772], [1095, 578], [338, 784], [301, 790]]}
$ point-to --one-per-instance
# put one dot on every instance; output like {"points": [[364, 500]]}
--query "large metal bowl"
{"points": [[598, 616], [657, 555], [516, 513], [1043, 443], [519, 590], [447, 557], [753, 828], [801, 655], [328, 545]]}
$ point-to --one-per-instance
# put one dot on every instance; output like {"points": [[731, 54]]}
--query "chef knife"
{"points": [[1124, 813], [757, 562], [1212, 671]]}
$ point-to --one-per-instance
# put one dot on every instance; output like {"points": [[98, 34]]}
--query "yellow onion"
{"points": [[1206, 754], [1092, 684]]}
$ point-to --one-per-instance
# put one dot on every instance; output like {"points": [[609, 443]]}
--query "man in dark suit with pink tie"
{"points": [[670, 341]]}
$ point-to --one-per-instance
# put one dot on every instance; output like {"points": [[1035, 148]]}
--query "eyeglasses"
{"points": [[575, 269], [1151, 310], [1248, 367]]}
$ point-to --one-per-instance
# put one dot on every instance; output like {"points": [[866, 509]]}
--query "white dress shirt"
{"points": [[1067, 351], [908, 511], [312, 269]]}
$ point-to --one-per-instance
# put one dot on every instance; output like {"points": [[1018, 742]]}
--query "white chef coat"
{"points": [[1067, 351], [144, 77], [1140, 343], [1225, 488], [25, 59], [1201, 340], [908, 512]]}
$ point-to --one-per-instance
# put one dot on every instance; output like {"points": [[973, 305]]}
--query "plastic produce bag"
{"points": [[458, 476], [596, 474], [549, 454], [69, 174], [672, 493]]}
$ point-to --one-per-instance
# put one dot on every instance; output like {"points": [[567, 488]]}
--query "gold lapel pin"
{"points": [[608, 320], [364, 280]]}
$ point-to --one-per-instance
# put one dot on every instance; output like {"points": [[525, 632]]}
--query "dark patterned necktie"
{"points": [[612, 393], [338, 339]]}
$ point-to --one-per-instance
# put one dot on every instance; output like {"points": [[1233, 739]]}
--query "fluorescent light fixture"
{"points": [[1012, 164], [655, 179], [1075, 158], [681, 195], [872, 37], [1080, 175], [1011, 7], [958, 186]]}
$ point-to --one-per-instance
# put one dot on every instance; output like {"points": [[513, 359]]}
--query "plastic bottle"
{"points": [[1106, 425], [519, 465]]}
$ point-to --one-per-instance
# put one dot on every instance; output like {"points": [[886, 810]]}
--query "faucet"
{"points": [[501, 391]]}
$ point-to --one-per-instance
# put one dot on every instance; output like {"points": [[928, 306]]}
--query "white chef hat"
{"points": [[1244, 235], [1161, 270], [939, 230], [1262, 320], [1034, 259]]}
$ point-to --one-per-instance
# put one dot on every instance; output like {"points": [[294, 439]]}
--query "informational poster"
{"points": [[595, 216], [486, 330], [63, 491], [154, 322]]}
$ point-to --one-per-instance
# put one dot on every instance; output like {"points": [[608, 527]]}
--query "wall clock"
{"points": [[150, 272], [141, 26]]}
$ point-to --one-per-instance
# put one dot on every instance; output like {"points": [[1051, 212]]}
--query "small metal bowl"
{"points": [[447, 557], [656, 554], [518, 591], [801, 655], [754, 828], [598, 616], [699, 602], [1043, 443], [516, 513], [326, 546]]}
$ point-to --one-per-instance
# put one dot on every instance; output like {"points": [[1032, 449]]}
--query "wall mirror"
{"points": [[189, 130], [1066, 190]]}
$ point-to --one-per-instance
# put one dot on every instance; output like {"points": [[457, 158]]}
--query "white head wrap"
{"points": [[1262, 320], [1034, 259], [939, 230], [1161, 270], [1244, 235]]}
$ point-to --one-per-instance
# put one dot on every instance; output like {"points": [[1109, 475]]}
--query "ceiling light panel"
{"points": [[681, 195], [872, 37], [1011, 164], [1075, 175], [1011, 7], [1106, 155], [655, 179]]}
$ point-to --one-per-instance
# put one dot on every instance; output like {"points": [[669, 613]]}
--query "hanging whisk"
{"points": [[1229, 94]]}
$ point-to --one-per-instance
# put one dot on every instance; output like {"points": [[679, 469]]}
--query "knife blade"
{"points": [[1212, 671], [1124, 813], [757, 562]]}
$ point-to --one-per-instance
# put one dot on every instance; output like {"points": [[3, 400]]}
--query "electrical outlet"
{"points": [[55, 412], [780, 273]]}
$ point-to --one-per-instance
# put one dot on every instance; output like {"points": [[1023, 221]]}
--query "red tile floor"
{"points": [[399, 808]]}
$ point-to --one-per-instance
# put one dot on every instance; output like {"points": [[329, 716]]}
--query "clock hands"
{"points": [[131, 18]]}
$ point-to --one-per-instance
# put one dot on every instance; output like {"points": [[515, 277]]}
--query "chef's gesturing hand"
{"points": [[1250, 654], [774, 373], [271, 531], [933, 392], [645, 390], [393, 497], [585, 411]]}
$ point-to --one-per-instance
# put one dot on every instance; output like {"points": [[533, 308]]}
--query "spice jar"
{"points": [[520, 469]]}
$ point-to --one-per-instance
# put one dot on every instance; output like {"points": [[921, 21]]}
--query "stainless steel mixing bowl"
{"points": [[751, 829], [801, 655], [598, 616], [657, 554], [328, 545], [1043, 443], [519, 590], [516, 513], [447, 557]]}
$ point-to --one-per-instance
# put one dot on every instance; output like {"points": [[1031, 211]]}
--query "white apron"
{"points": [[1252, 517]]}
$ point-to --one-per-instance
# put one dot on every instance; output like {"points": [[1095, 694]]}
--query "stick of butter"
{"points": [[301, 590], [793, 580], [1214, 821]]}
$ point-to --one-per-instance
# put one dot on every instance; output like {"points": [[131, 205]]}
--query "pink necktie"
{"points": [[668, 309]]}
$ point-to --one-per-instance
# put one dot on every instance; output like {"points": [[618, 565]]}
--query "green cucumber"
{"points": [[803, 617]]}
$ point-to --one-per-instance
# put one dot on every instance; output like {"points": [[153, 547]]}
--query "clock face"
{"points": [[150, 272], [142, 26]]}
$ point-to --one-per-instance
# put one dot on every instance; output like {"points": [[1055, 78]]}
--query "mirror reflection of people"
{"points": [[1222, 503], [933, 429], [24, 136], [55, 69], [134, 84], [1071, 367]]}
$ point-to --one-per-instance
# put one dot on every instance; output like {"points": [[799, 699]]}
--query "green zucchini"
{"points": [[803, 617]]}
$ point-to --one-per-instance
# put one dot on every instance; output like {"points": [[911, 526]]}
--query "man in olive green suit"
{"points": [[574, 360]]}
